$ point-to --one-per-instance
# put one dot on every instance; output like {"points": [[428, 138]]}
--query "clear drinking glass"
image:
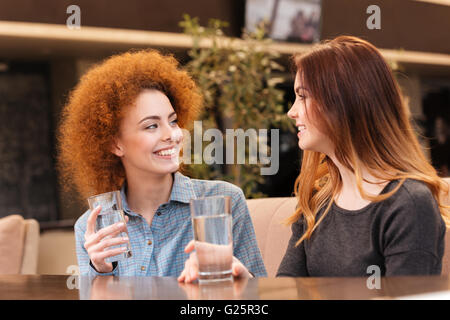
{"points": [[111, 212], [212, 225]]}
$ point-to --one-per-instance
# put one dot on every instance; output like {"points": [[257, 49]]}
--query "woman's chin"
{"points": [[302, 146], [164, 168], [165, 171], [171, 168], [306, 147]]}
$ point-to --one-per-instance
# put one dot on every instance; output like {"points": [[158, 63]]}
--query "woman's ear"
{"points": [[116, 148]]}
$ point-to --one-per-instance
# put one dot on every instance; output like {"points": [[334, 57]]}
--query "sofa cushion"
{"points": [[31, 247], [57, 253], [12, 234], [272, 236]]}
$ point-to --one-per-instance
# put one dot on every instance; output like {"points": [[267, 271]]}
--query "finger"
{"points": [[90, 226], [187, 268], [190, 246], [107, 232], [102, 233], [193, 259], [193, 272], [182, 276], [102, 245], [102, 255], [117, 233], [191, 268], [238, 270], [93, 241], [235, 271]]}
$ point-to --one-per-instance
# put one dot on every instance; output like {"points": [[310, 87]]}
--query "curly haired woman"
{"points": [[121, 129]]}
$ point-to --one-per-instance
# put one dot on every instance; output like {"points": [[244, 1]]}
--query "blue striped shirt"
{"points": [[158, 249]]}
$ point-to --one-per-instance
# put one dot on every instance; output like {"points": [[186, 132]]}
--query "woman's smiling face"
{"points": [[309, 136], [150, 139]]}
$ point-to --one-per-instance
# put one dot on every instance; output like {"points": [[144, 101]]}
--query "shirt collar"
{"points": [[182, 191], [123, 194]]}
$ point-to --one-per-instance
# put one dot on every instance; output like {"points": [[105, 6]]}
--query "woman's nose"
{"points": [[172, 133], [167, 132], [292, 113]]}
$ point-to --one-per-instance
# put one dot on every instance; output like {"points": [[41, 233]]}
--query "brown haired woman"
{"points": [[367, 196], [121, 130]]}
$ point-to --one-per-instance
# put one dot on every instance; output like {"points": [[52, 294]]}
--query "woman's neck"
{"points": [[349, 196], [145, 193]]}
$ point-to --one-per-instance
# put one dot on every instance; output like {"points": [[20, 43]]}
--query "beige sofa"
{"points": [[19, 242], [272, 236]]}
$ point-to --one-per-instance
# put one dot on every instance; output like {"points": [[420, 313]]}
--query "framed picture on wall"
{"points": [[287, 20]]}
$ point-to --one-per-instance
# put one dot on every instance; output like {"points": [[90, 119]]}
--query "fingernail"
{"points": [[125, 239], [120, 225]]}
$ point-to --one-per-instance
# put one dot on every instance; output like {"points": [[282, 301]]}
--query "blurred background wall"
{"points": [[41, 60]]}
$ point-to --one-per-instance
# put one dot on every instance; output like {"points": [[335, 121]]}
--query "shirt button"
{"points": [[158, 213], [149, 242], [142, 268]]}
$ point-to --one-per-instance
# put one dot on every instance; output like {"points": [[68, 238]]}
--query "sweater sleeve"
{"points": [[414, 235], [294, 260], [413, 262]]}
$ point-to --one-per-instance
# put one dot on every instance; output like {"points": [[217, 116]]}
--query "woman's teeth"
{"points": [[167, 152], [301, 128]]}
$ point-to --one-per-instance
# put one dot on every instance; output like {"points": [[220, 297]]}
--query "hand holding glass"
{"points": [[109, 235]]}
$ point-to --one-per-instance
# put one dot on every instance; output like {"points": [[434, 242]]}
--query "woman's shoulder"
{"points": [[417, 188], [413, 200], [412, 219], [413, 192]]}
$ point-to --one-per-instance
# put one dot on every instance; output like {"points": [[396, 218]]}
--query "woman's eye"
{"points": [[301, 97], [152, 126], [174, 122]]}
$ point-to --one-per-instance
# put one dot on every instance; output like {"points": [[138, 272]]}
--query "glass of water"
{"points": [[111, 212], [212, 224]]}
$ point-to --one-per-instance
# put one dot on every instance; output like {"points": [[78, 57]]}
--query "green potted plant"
{"points": [[238, 82]]}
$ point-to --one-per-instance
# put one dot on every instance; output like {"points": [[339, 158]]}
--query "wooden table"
{"points": [[60, 287]]}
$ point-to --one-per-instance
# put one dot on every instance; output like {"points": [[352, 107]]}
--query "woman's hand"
{"points": [[96, 242], [190, 272]]}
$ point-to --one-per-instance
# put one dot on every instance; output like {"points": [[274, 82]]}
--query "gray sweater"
{"points": [[402, 235]]}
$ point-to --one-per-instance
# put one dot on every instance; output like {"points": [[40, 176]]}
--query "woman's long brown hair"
{"points": [[357, 104]]}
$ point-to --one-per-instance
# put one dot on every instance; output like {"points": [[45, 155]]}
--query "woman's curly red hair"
{"points": [[91, 118]]}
